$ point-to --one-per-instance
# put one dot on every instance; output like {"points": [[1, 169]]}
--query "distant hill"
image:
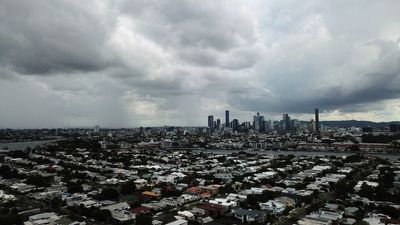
{"points": [[357, 123]]}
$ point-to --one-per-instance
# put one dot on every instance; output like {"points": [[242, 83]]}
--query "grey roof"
{"points": [[249, 212]]}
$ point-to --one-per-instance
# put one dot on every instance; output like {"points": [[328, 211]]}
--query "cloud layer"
{"points": [[144, 62]]}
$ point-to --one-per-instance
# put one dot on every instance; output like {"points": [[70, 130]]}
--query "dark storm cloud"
{"points": [[148, 62], [45, 37], [378, 81]]}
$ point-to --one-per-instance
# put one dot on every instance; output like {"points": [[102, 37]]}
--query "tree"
{"points": [[342, 188], [226, 189], [74, 188], [390, 211], [361, 222], [108, 194], [386, 179], [11, 219], [144, 219], [100, 215], [39, 180], [4, 169], [252, 201], [10, 174], [367, 191], [128, 188], [56, 203], [287, 210]]}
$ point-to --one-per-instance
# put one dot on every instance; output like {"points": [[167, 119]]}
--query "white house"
{"points": [[357, 188], [178, 222], [120, 211]]}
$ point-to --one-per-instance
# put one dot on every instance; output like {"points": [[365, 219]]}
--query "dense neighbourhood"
{"points": [[89, 179]]}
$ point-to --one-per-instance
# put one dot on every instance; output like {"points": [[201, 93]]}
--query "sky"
{"points": [[130, 63]]}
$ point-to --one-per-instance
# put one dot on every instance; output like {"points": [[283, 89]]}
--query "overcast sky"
{"points": [[129, 63]]}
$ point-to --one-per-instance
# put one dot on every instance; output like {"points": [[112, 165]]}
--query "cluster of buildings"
{"points": [[75, 182], [261, 125]]}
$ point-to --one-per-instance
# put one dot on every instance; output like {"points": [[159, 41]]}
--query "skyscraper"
{"points": [[96, 129], [316, 121], [218, 124], [256, 123], [211, 121], [262, 123], [235, 125], [286, 122], [227, 118]]}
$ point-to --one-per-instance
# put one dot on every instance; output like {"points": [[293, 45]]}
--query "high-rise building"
{"points": [[211, 121], [227, 118], [247, 125], [316, 121], [96, 129], [286, 122], [235, 125], [262, 123], [259, 123], [312, 126], [218, 124], [256, 122]]}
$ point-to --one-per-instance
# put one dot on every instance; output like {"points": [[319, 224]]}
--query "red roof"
{"points": [[211, 207], [193, 190], [391, 221], [140, 209]]}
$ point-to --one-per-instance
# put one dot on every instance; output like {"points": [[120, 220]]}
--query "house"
{"points": [[172, 201], [286, 201], [357, 188], [314, 220], [185, 198], [156, 205], [48, 218], [253, 190], [193, 190], [236, 197], [345, 170], [325, 216], [178, 222], [275, 207], [140, 209], [224, 202], [210, 189], [351, 211], [4, 198], [64, 220], [249, 215], [213, 223], [376, 219], [223, 176], [181, 186], [151, 194], [140, 183], [90, 203], [74, 199], [186, 214], [197, 211], [290, 191], [265, 175], [120, 211], [213, 209], [22, 188], [170, 179]]}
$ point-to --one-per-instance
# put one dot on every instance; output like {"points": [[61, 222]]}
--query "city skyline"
{"points": [[149, 63]]}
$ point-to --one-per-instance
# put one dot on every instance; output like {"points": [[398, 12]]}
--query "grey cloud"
{"points": [[45, 37], [379, 81], [148, 62]]}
